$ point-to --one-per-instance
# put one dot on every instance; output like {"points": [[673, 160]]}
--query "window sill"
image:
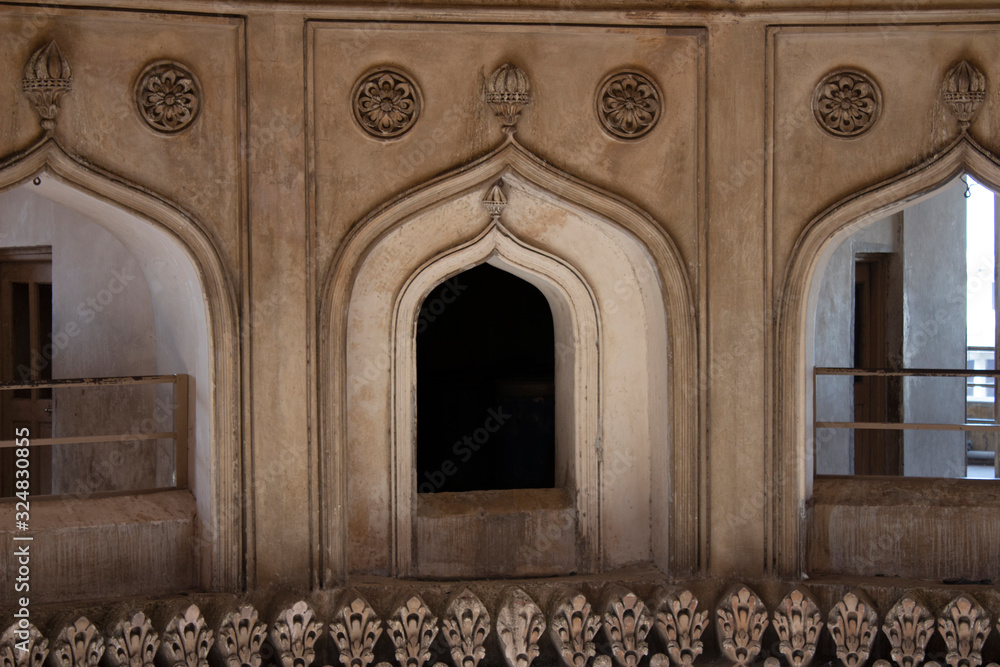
{"points": [[508, 501]]}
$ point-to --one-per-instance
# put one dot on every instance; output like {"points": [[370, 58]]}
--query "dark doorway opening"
{"points": [[878, 344], [485, 385]]}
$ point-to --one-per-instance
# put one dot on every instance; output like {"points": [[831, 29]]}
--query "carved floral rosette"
{"points": [[386, 102], [628, 104], [167, 96], [847, 103]]}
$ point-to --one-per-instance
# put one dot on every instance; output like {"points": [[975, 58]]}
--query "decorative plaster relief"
{"points": [[168, 96], [495, 201], [187, 640], [965, 625], [133, 642], [963, 90], [241, 636], [508, 91], [14, 638], [466, 626], [79, 645], [572, 630], [47, 75], [355, 630], [853, 625], [628, 104], [386, 102], [412, 629], [520, 625], [294, 634], [626, 623], [798, 623], [741, 619], [847, 103], [909, 626], [680, 625]]}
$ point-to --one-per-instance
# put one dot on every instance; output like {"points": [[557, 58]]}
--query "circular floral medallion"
{"points": [[628, 104], [847, 103], [168, 96], [386, 103]]}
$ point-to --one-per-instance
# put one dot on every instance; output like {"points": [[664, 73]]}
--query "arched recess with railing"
{"points": [[792, 459], [200, 337], [366, 302]]}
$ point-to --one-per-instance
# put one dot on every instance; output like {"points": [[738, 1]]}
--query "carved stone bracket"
{"points": [[508, 92], [965, 625], [386, 102], [355, 631], [741, 619], [133, 642], [908, 625], [466, 625], [187, 640], [847, 103], [853, 624], [963, 90], [79, 645], [520, 624], [573, 628], [294, 634], [627, 621], [798, 623], [168, 96], [241, 636], [412, 629], [628, 104], [15, 638], [47, 75], [680, 626]]}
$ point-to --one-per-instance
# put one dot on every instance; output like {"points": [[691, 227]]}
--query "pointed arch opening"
{"points": [[138, 289], [901, 246]]}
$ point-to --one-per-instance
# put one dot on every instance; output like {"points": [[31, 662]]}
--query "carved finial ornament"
{"points": [[508, 91], [386, 102], [294, 634], [168, 96], [798, 623], [187, 640], [573, 629], [680, 625], [133, 642], [626, 624], [908, 625], [963, 90], [355, 631], [26, 636], [520, 625], [853, 625], [965, 625], [628, 104], [47, 75], [495, 201], [241, 636], [847, 103], [466, 625], [741, 619]]}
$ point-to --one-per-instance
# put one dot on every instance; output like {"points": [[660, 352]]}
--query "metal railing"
{"points": [[179, 435]]}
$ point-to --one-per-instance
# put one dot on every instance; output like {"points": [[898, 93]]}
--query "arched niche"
{"points": [[793, 456], [604, 267], [195, 331]]}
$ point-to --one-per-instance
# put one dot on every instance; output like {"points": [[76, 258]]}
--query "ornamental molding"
{"points": [[355, 630], [412, 629], [133, 642], [294, 634], [909, 626], [963, 91], [798, 623], [740, 621], [46, 77], [22, 646], [466, 625], [628, 104], [241, 636], [79, 645], [520, 624], [167, 96], [386, 102], [853, 624], [187, 640], [847, 103], [964, 625], [573, 628], [680, 625]]}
